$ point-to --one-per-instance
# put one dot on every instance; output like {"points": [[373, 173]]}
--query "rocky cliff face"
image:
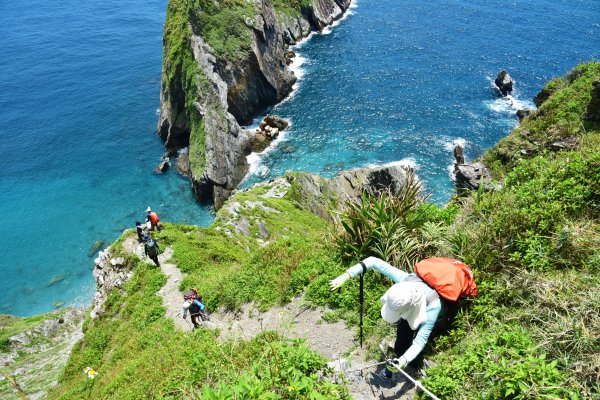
{"points": [[205, 97]]}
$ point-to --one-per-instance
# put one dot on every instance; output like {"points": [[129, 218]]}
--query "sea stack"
{"points": [[504, 83]]}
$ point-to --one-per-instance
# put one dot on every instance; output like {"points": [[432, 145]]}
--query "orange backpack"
{"points": [[452, 279], [154, 218]]}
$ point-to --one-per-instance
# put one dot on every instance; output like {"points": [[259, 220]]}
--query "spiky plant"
{"points": [[390, 226]]}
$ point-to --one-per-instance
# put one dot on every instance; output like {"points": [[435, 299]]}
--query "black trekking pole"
{"points": [[361, 300]]}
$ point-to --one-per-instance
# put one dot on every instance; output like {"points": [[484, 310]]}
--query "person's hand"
{"points": [[339, 281], [399, 362]]}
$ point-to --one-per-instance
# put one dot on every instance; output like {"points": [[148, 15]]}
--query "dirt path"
{"points": [[170, 294], [334, 341]]}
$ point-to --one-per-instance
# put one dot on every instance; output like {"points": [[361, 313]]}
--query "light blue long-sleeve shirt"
{"points": [[396, 275], [194, 303]]}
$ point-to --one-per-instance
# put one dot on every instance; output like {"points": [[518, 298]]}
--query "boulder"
{"points": [[593, 109], [504, 83], [459, 155], [267, 131], [316, 194], [523, 113], [22, 339], [163, 166], [289, 55], [183, 162], [470, 176]]}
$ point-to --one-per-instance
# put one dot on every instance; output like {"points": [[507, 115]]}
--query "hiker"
{"points": [[405, 303], [194, 305], [140, 232], [153, 219], [151, 249]]}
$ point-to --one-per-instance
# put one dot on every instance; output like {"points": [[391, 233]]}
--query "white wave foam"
{"points": [[407, 163], [450, 169], [328, 29], [256, 166], [509, 104], [449, 146]]}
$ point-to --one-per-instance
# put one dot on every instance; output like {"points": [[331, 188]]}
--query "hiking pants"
{"points": [[155, 259], [404, 337]]}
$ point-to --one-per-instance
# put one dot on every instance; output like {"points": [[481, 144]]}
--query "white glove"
{"points": [[339, 281], [400, 362]]}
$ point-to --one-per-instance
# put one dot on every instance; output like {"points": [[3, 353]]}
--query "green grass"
{"points": [[11, 325], [139, 354], [534, 246]]}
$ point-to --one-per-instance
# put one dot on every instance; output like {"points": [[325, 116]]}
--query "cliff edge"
{"points": [[223, 63]]}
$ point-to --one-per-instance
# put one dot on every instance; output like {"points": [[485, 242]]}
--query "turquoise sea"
{"points": [[395, 80]]}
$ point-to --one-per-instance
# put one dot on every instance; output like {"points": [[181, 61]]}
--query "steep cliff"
{"points": [[223, 63]]}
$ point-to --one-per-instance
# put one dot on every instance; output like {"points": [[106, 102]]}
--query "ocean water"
{"points": [[79, 92], [406, 80], [394, 81]]}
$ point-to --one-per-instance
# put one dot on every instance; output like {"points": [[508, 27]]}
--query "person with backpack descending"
{"points": [[413, 302], [192, 302], [140, 232], [153, 219], [151, 249]]}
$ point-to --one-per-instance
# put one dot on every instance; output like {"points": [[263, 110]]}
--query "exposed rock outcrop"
{"points": [[267, 131], [36, 356], [542, 96], [469, 176], [316, 194], [163, 166], [523, 113], [504, 83], [109, 273], [207, 117]]}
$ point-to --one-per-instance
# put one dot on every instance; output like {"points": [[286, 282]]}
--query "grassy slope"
{"points": [[534, 332], [139, 354], [38, 367]]}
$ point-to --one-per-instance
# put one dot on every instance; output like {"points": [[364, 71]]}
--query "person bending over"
{"points": [[410, 303]]}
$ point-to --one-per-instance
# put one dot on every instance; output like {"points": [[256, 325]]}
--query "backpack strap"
{"points": [[431, 297]]}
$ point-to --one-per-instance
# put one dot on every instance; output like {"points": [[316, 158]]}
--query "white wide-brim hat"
{"points": [[404, 300]]}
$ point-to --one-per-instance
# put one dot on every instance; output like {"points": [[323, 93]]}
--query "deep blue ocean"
{"points": [[394, 81]]}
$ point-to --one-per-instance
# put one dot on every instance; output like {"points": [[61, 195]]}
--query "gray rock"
{"points": [[234, 94], [459, 154], [470, 176], [183, 162], [47, 328], [316, 194], [163, 166], [523, 113], [263, 231], [243, 226], [117, 262], [504, 83], [22, 339]]}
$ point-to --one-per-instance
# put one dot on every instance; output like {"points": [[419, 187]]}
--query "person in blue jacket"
{"points": [[196, 309], [410, 303]]}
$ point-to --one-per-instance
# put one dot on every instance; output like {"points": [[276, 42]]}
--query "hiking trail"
{"points": [[170, 294], [333, 340]]}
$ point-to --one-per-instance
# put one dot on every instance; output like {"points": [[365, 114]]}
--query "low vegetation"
{"points": [[534, 246]]}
